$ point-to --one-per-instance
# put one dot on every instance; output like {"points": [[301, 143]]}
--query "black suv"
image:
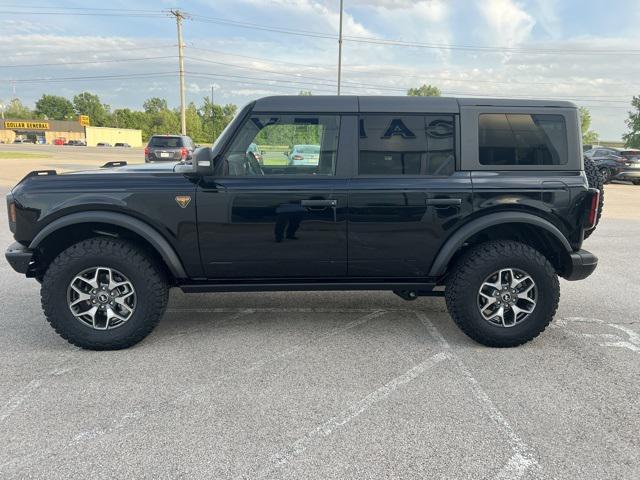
{"points": [[169, 148], [484, 202]]}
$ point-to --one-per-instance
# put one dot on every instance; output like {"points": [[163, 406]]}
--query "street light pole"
{"points": [[340, 49]]}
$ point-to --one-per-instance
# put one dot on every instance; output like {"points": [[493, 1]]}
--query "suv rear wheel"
{"points": [[103, 294], [503, 293]]}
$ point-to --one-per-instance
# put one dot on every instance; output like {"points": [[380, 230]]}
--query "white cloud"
{"points": [[508, 23]]}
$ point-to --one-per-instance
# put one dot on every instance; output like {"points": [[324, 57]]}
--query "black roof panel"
{"points": [[394, 104]]}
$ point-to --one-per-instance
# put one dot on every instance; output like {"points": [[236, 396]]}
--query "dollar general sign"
{"points": [[84, 120], [27, 125]]}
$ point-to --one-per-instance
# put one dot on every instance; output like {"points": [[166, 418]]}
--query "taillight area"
{"points": [[11, 213], [298, 157], [592, 214], [183, 153], [146, 150]]}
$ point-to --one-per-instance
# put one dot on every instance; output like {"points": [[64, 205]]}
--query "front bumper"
{"points": [[582, 265], [19, 257]]}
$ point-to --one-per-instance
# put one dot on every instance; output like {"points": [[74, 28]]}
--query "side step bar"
{"points": [[420, 289]]}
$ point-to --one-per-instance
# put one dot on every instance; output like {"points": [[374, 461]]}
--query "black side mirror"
{"points": [[203, 161]]}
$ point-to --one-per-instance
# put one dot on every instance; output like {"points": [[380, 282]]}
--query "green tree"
{"points": [[215, 118], [424, 91], [89, 104], [632, 138], [155, 105], [194, 123], [589, 137], [15, 109], [54, 107]]}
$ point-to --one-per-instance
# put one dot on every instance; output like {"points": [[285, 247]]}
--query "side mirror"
{"points": [[203, 161]]}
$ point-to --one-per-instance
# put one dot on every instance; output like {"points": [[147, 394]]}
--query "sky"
{"points": [[586, 51]]}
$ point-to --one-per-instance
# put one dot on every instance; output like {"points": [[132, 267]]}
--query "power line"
{"points": [[62, 64], [74, 52], [392, 42], [91, 77]]}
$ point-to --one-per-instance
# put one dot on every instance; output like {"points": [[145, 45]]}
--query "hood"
{"points": [[164, 167]]}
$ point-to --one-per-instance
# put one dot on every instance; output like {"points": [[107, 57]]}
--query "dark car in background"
{"points": [[122, 145], [609, 161], [103, 144], [76, 143], [169, 148]]}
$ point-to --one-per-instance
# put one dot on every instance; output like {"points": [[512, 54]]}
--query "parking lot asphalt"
{"points": [[332, 385]]}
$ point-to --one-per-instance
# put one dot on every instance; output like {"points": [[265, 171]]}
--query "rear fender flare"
{"points": [[457, 239], [159, 243]]}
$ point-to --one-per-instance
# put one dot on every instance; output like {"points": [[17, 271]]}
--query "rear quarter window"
{"points": [[518, 139]]}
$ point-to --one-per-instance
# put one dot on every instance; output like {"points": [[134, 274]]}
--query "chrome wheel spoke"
{"points": [[507, 297], [101, 298]]}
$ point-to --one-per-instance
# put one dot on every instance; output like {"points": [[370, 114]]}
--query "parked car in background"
{"points": [[169, 148], [59, 141], [304, 155], [76, 143], [631, 171], [609, 161], [103, 144], [122, 145]]}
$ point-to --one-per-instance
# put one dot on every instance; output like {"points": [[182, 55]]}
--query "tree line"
{"points": [[206, 120]]}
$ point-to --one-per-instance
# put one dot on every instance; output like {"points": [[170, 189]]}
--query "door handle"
{"points": [[443, 202], [319, 203]]}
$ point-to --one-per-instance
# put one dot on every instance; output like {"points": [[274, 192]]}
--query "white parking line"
{"points": [[24, 393], [327, 428], [129, 418], [631, 340], [522, 457]]}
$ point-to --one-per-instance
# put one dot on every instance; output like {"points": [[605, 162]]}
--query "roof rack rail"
{"points": [[38, 173], [114, 164]]}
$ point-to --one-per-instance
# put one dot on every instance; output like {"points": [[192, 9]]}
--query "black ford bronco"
{"points": [[484, 202]]}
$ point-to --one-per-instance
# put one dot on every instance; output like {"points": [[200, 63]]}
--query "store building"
{"points": [[50, 131], [95, 135], [40, 131]]}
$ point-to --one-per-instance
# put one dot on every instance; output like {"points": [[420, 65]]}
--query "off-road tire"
{"points": [[595, 181], [145, 275], [473, 268]]}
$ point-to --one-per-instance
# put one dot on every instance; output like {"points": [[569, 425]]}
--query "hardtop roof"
{"points": [[395, 104]]}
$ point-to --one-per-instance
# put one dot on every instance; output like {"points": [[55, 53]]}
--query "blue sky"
{"points": [[545, 49]]}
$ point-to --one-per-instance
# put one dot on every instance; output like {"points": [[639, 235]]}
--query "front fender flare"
{"points": [[139, 227], [453, 244]]}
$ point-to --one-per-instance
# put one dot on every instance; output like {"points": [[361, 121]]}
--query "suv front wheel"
{"points": [[103, 294], [502, 293]]}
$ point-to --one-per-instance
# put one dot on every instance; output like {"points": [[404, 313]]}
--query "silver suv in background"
{"points": [[169, 148]]}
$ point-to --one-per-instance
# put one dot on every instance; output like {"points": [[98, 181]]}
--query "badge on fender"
{"points": [[183, 200]]}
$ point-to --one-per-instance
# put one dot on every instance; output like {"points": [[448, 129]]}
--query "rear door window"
{"points": [[406, 145], [516, 139]]}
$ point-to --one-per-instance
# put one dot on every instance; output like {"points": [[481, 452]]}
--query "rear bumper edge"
{"points": [[583, 263]]}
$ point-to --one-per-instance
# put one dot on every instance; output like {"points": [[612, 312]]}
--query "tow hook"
{"points": [[408, 295]]}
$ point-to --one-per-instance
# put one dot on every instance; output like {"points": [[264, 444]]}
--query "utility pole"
{"points": [[340, 49], [183, 117], [213, 117]]}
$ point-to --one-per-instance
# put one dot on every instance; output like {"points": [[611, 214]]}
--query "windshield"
{"points": [[165, 142]]}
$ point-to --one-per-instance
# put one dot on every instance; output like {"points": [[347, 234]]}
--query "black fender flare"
{"points": [[162, 246], [457, 239]]}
